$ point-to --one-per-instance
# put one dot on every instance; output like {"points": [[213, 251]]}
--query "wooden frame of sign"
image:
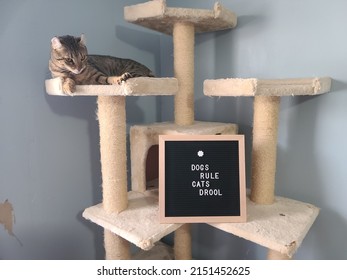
{"points": [[202, 179]]}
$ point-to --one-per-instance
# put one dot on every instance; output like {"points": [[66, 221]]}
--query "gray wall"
{"points": [[49, 158]]}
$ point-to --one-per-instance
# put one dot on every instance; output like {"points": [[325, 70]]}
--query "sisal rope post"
{"points": [[116, 248], [274, 255], [183, 243], [265, 126], [112, 126], [183, 41]]}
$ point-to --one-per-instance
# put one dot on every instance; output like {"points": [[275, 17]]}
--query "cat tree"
{"points": [[277, 223]]}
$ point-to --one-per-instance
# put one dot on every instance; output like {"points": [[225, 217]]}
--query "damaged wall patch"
{"points": [[7, 218]]}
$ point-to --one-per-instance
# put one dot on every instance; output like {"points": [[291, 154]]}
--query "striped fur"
{"points": [[71, 62]]}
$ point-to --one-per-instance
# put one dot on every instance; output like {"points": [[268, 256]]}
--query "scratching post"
{"points": [[183, 40], [265, 126], [111, 115], [183, 243], [116, 248]]}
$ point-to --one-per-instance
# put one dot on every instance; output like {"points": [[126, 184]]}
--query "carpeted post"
{"points": [[183, 243], [116, 248], [265, 126], [112, 125], [183, 40]]}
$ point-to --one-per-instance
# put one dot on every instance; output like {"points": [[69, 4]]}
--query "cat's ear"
{"points": [[56, 44], [83, 39]]}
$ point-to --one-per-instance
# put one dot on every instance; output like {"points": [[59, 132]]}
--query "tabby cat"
{"points": [[71, 62]]}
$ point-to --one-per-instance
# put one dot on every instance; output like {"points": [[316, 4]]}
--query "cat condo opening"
{"points": [[144, 141], [152, 167]]}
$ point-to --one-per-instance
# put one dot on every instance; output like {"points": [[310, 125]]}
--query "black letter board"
{"points": [[202, 178]]}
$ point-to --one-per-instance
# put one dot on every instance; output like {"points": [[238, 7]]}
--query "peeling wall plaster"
{"points": [[7, 216]]}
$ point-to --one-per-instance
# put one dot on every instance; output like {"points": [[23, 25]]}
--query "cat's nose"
{"points": [[78, 70]]}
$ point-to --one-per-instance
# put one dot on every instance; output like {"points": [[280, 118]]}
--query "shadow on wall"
{"points": [[225, 246], [230, 49], [84, 108], [326, 235], [296, 171], [142, 40], [300, 177]]}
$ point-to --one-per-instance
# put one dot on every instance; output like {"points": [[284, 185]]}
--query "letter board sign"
{"points": [[202, 178]]}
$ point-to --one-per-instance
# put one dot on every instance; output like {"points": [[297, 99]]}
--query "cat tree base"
{"points": [[281, 226], [139, 223]]}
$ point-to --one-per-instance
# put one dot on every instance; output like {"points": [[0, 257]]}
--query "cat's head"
{"points": [[69, 52]]}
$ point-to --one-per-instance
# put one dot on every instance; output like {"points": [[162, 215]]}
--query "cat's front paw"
{"points": [[69, 86], [119, 79], [124, 77]]}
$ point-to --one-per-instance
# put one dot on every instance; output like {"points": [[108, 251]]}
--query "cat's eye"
{"points": [[69, 60]]}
